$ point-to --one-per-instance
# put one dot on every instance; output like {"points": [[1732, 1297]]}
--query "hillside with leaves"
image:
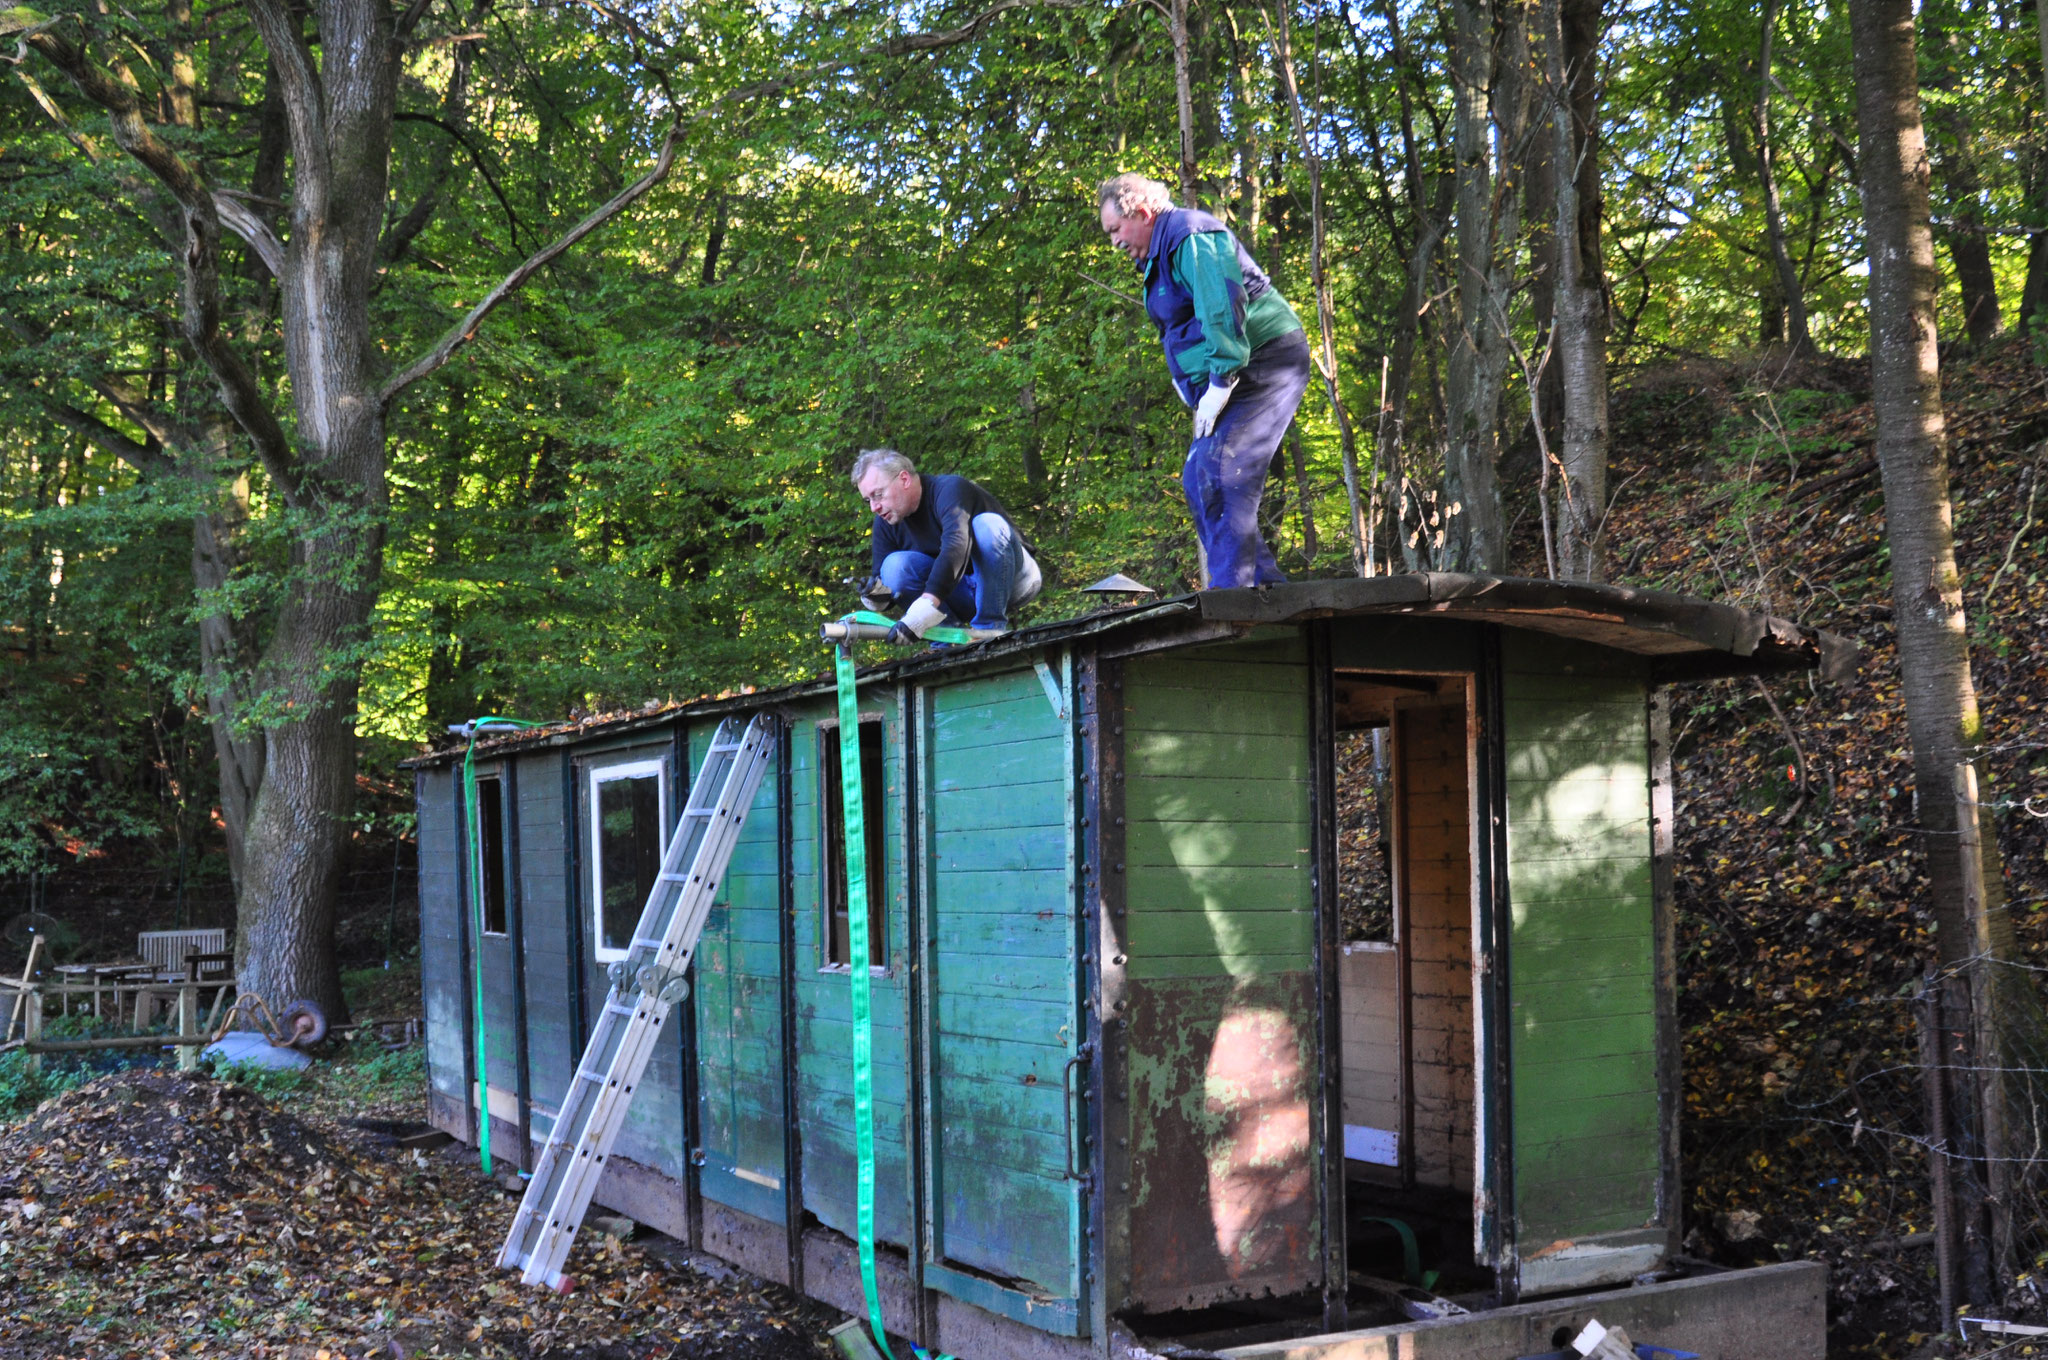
{"points": [[1805, 929]]}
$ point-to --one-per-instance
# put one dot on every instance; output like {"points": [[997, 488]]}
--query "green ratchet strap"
{"points": [[861, 987], [940, 634], [1411, 1255], [473, 856]]}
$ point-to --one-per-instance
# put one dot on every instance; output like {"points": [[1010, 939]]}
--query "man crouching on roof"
{"points": [[946, 541]]}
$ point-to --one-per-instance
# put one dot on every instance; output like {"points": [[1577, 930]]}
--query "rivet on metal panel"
{"points": [[1119, 911], [1119, 821], [1124, 1186], [1123, 1142], [1119, 776], [1118, 960], [1119, 866]]}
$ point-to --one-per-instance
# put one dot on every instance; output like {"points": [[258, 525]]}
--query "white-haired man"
{"points": [[946, 541], [1236, 354]]}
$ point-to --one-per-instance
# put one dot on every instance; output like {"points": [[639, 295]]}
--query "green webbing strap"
{"points": [[941, 634], [860, 985], [860, 988], [1411, 1255], [473, 855]]}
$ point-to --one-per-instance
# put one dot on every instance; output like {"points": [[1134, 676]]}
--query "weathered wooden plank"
{"points": [[1559, 1040], [1017, 717], [1590, 1078], [1227, 755], [1541, 1118], [1250, 677], [1531, 842], [1578, 958], [998, 767], [1229, 936], [1234, 800], [1018, 849], [1157, 888], [1611, 880], [1042, 803], [1161, 968], [1198, 711], [1618, 756], [1037, 935], [1218, 844]]}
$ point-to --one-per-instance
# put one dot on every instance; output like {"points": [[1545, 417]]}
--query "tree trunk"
{"points": [[1790, 287], [1955, 161], [1184, 103], [1326, 316], [1580, 309], [1934, 657], [1487, 223]]}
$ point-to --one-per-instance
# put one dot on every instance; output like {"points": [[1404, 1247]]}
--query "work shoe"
{"points": [[975, 634]]}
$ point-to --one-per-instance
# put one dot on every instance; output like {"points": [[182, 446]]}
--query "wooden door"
{"points": [[1001, 1122]]}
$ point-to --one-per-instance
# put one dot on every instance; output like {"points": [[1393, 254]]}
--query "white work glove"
{"points": [[1211, 409], [924, 613]]}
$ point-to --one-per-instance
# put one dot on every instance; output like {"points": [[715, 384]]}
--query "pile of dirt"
{"points": [[151, 1212]]}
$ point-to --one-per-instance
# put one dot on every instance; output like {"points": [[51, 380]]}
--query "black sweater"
{"points": [[941, 528]]}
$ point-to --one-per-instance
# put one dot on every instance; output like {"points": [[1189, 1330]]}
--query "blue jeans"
{"points": [[1225, 474], [1000, 573]]}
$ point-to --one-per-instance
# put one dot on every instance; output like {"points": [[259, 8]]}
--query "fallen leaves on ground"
{"points": [[154, 1213]]}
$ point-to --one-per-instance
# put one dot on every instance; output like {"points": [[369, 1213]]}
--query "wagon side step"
{"points": [[645, 985]]}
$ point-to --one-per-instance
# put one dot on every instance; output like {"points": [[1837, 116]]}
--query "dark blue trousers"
{"points": [[1225, 474]]}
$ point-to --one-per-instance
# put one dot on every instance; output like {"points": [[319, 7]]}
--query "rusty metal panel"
{"points": [[1223, 1166]]}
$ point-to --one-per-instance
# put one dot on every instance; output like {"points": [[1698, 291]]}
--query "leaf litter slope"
{"points": [[1804, 923], [152, 1213]]}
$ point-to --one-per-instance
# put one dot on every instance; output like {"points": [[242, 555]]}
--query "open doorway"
{"points": [[1404, 894]]}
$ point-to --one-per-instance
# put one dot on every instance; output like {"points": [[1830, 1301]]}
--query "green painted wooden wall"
{"points": [[1582, 1026], [739, 1021], [824, 1015], [545, 923], [441, 953], [1001, 979], [1223, 1102]]}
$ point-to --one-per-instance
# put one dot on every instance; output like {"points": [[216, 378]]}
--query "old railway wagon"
{"points": [[1231, 954]]}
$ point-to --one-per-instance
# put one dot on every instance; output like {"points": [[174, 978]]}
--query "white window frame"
{"points": [[604, 774], [505, 868]]}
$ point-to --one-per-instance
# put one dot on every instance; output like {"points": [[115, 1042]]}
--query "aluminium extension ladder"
{"points": [[645, 984]]}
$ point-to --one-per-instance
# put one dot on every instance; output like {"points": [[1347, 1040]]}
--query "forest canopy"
{"points": [[628, 482]]}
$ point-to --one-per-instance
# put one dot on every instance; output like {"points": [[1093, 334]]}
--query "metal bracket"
{"points": [[1053, 693], [665, 985]]}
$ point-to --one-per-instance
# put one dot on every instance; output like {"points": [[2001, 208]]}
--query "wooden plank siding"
{"points": [[1582, 1007], [1223, 1101], [1002, 960], [1433, 814], [824, 1012], [546, 905], [441, 933], [737, 992]]}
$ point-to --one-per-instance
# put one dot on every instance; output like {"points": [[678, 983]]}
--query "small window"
{"points": [[628, 818], [490, 852], [838, 933]]}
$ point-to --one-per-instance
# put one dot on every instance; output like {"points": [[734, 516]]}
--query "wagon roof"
{"points": [[1684, 637]]}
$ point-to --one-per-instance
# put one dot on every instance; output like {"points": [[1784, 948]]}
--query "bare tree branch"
{"points": [[198, 255]]}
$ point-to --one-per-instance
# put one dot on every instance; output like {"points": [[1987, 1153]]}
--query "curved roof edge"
{"points": [[1688, 638], [1685, 638]]}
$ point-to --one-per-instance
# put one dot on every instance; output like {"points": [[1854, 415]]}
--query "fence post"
{"points": [[188, 1021], [32, 1024]]}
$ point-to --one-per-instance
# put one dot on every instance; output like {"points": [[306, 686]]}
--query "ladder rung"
{"points": [[673, 878], [650, 942], [615, 1008]]}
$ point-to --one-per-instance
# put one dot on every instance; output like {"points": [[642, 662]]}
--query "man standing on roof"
{"points": [[1237, 357], [946, 541]]}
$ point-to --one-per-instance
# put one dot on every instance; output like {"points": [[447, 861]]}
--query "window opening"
{"points": [[838, 933], [490, 852], [629, 820], [1365, 856]]}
